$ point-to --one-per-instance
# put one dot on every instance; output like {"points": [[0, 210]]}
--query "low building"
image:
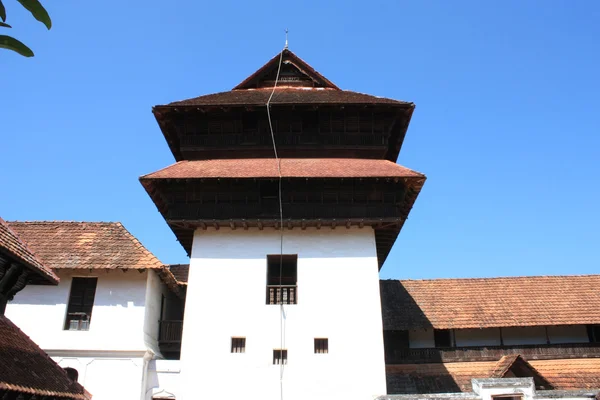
{"points": [[103, 318], [26, 372], [440, 334]]}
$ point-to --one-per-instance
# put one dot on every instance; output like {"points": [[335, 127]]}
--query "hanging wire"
{"points": [[278, 163]]}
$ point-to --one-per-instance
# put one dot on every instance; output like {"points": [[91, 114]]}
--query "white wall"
{"points": [[117, 322], [338, 298], [155, 290], [421, 338], [107, 378], [163, 379]]}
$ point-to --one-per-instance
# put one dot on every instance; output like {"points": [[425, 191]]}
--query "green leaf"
{"points": [[5, 25], [2, 12], [38, 11], [10, 43]]}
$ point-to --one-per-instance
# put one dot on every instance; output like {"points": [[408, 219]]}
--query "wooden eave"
{"points": [[386, 229], [164, 115]]}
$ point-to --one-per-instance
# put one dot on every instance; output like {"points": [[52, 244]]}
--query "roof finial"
{"points": [[286, 39]]}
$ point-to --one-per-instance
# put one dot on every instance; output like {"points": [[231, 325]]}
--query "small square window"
{"points": [[321, 346], [238, 344], [279, 357]]}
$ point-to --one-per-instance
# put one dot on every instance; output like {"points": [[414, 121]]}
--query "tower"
{"points": [[284, 304]]}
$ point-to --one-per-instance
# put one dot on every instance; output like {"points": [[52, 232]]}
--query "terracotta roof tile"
{"points": [[97, 245], [562, 374], [570, 374], [180, 272], [25, 368], [12, 245], [491, 302], [290, 168], [287, 95], [256, 89]]}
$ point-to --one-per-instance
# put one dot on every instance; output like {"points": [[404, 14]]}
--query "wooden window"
{"points": [[282, 278], [238, 344], [81, 302], [594, 333], [443, 338], [279, 357], [321, 345]]}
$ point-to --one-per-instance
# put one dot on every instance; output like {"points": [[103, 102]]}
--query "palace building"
{"points": [[286, 195]]}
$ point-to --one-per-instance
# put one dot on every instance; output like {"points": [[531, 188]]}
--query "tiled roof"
{"points": [[562, 374], [96, 245], [287, 95], [25, 368], [570, 374], [309, 87], [491, 302], [180, 272], [290, 168], [12, 245]]}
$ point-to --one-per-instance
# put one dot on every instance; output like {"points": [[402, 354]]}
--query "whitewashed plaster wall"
{"points": [[163, 380], [155, 291], [107, 378], [338, 299], [118, 314]]}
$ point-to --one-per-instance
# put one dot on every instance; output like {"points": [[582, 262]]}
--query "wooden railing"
{"points": [[284, 294], [170, 331], [491, 353]]}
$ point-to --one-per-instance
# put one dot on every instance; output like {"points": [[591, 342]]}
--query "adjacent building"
{"points": [[103, 318], [26, 372]]}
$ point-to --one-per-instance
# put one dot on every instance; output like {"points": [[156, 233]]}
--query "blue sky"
{"points": [[506, 125]]}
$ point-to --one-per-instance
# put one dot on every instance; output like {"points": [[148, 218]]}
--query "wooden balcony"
{"points": [[491, 353], [169, 338], [284, 294]]}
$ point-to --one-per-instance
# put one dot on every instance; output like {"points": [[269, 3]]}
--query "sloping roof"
{"points": [[491, 302], [290, 168], [12, 245], [307, 86], [287, 95], [25, 368], [90, 245], [286, 56], [562, 374], [180, 272]]}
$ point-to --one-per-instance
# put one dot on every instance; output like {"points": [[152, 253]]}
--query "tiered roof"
{"points": [[290, 168]]}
